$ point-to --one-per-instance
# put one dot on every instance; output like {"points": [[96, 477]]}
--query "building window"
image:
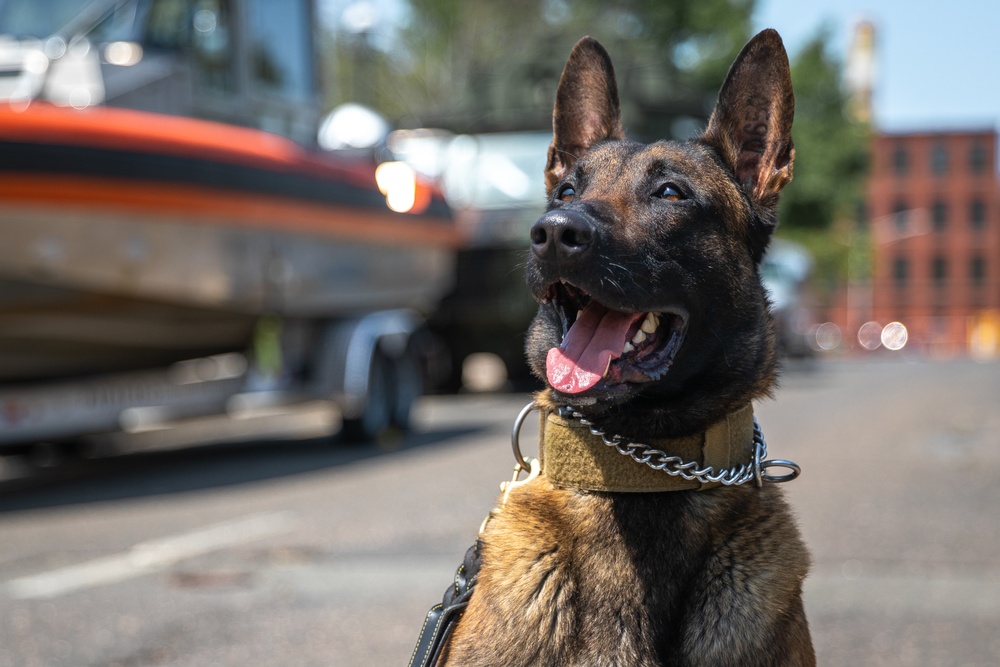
{"points": [[900, 160], [939, 271], [939, 159], [900, 272], [977, 271], [899, 216], [977, 157], [977, 214], [939, 215]]}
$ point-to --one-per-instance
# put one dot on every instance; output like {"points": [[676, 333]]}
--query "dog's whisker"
{"points": [[634, 285], [722, 344]]}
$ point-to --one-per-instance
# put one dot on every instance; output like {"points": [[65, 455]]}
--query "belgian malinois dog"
{"points": [[653, 326]]}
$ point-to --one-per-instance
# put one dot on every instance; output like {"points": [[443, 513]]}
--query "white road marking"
{"points": [[149, 556]]}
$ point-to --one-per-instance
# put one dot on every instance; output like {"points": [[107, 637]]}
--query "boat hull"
{"points": [[129, 250]]}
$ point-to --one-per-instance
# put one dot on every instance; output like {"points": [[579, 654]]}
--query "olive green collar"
{"points": [[576, 455]]}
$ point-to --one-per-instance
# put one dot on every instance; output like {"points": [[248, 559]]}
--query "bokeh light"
{"points": [[894, 336], [828, 337], [870, 335]]}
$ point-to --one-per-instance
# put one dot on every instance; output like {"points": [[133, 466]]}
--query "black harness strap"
{"points": [[442, 617]]}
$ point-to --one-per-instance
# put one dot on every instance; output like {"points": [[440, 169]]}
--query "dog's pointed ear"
{"points": [[586, 111], [751, 126]]}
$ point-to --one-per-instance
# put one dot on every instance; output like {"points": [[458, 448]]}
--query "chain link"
{"points": [[689, 470], [669, 464]]}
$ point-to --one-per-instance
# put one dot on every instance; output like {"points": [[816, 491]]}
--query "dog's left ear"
{"points": [[587, 110], [751, 126]]}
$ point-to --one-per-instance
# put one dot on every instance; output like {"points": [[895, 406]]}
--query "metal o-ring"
{"points": [[780, 463], [515, 435]]}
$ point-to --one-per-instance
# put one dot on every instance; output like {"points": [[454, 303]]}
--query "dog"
{"points": [[581, 566]]}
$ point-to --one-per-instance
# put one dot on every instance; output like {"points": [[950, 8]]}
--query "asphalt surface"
{"points": [[306, 553]]}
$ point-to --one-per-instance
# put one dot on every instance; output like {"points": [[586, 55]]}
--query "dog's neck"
{"points": [[573, 456]]}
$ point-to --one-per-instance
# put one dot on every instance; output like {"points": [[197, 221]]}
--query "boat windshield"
{"points": [[43, 18]]}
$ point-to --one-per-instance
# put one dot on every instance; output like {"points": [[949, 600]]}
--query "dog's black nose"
{"points": [[563, 236]]}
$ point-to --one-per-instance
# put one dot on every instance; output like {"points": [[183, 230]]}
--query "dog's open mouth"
{"points": [[602, 346]]}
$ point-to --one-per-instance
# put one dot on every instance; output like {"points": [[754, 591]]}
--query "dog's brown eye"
{"points": [[566, 193], [670, 192]]}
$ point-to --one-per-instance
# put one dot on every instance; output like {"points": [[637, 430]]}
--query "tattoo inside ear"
{"points": [[751, 124]]}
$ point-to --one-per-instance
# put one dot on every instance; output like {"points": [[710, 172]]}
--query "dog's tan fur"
{"points": [[684, 578], [568, 584]]}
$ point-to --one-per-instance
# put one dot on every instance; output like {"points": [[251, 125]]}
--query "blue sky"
{"points": [[936, 62]]}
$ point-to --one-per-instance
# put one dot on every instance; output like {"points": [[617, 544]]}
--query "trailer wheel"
{"points": [[408, 385], [378, 414]]}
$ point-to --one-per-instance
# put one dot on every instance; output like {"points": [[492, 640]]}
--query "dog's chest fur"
{"points": [[578, 578]]}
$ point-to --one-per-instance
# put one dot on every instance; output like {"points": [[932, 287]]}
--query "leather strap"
{"points": [[573, 457], [441, 619]]}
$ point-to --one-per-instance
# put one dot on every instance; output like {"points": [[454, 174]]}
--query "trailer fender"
{"points": [[348, 349]]}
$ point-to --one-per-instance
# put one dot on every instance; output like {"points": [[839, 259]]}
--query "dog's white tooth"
{"points": [[628, 348], [649, 324], [578, 314], [639, 337], [606, 368]]}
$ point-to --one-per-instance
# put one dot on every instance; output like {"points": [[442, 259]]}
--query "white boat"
{"points": [[133, 237]]}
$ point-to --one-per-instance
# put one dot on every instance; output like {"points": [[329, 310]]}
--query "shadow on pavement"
{"points": [[135, 475]]}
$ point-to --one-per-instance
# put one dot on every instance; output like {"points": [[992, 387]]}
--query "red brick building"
{"points": [[934, 207]]}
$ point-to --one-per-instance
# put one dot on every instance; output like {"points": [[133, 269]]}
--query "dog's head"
{"points": [[646, 264]]}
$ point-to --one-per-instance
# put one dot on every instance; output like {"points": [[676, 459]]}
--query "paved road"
{"points": [[305, 554]]}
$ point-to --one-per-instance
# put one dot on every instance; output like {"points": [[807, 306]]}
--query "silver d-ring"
{"points": [[759, 453], [780, 463], [515, 435]]}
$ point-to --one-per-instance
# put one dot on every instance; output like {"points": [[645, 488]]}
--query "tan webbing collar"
{"points": [[573, 457]]}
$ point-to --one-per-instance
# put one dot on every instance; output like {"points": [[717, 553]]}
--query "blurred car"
{"points": [[785, 272]]}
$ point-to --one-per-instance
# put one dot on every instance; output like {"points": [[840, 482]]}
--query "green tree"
{"points": [[474, 67], [824, 202]]}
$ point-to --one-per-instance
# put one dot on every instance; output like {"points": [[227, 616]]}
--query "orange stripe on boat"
{"points": [[143, 131], [223, 207]]}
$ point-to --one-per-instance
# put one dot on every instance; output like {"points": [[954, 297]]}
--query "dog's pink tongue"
{"points": [[597, 337]]}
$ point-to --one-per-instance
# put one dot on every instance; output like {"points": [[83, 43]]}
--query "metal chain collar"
{"points": [[674, 465]]}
